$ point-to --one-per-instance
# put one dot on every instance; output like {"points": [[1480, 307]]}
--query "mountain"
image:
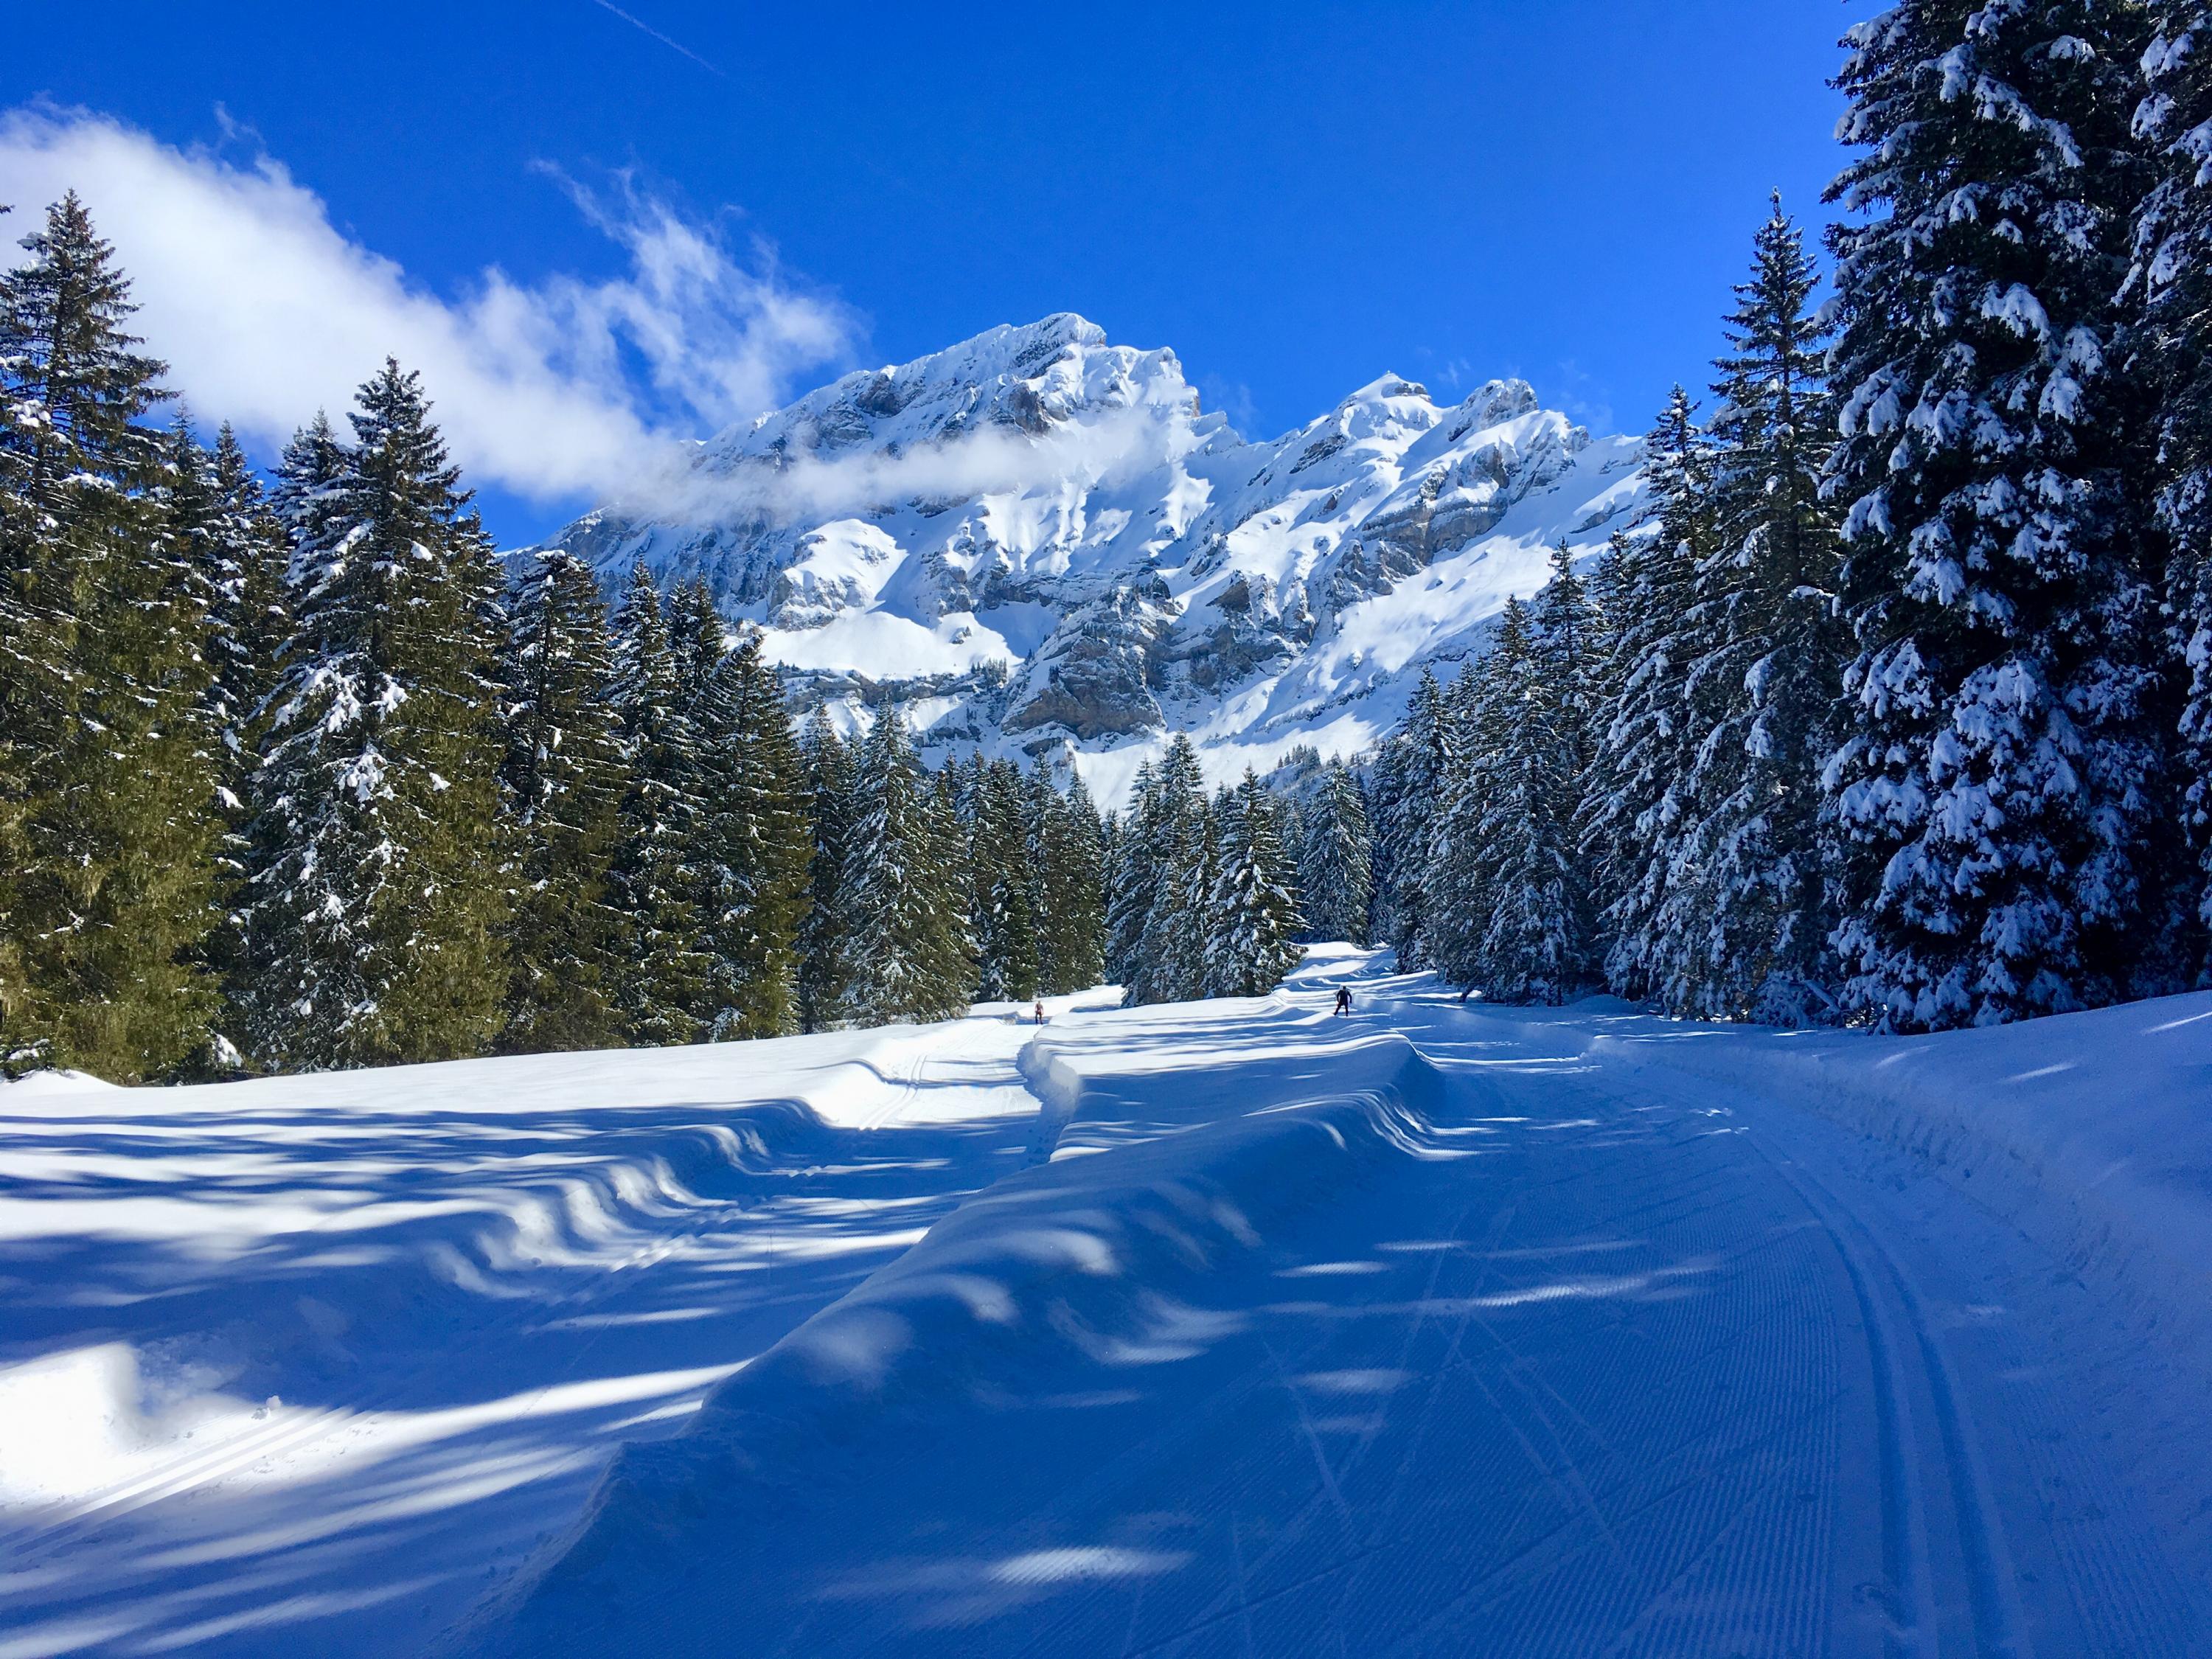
{"points": [[1036, 542]]}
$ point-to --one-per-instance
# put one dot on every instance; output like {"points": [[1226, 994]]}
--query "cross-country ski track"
{"points": [[1224, 1328]]}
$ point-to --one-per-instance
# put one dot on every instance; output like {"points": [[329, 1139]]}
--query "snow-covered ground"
{"points": [[1231, 1327]]}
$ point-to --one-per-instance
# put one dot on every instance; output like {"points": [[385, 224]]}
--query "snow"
{"points": [[1222, 1327], [925, 525]]}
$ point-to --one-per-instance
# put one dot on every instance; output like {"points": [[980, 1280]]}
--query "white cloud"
{"points": [[266, 311]]}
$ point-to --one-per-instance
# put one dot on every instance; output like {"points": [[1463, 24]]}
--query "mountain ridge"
{"points": [[1037, 541]]}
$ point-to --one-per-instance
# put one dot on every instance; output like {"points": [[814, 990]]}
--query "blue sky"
{"points": [[1296, 196]]}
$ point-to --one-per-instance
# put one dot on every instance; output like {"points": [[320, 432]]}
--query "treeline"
{"points": [[301, 778], [1900, 711]]}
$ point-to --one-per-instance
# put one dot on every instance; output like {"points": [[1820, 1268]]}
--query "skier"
{"points": [[1344, 999], [1040, 1010]]}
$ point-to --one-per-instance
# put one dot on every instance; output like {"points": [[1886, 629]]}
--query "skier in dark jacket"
{"points": [[1344, 998]]}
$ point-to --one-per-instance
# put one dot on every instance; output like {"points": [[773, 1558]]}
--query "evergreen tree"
{"points": [[108, 807], [2000, 781], [1637, 800], [1410, 777], [2173, 279], [238, 547], [1747, 916], [382, 902], [664, 973], [1074, 858], [770, 852], [828, 772], [1132, 878], [1168, 962], [1336, 877], [1251, 920], [1000, 860], [564, 778], [912, 952]]}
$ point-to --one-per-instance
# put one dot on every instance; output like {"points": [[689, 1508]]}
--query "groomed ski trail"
{"points": [[1431, 1331]]}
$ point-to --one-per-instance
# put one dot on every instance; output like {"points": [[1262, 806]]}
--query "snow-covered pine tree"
{"points": [[103, 682], [1000, 860], [775, 848], [1409, 787], [2173, 282], [564, 777], [901, 892], [1481, 714], [235, 554], [1251, 920], [828, 772], [382, 901], [1745, 927], [1534, 940], [1168, 962], [1999, 782], [1132, 877], [1336, 877], [1636, 799], [715, 834], [1075, 859], [663, 970]]}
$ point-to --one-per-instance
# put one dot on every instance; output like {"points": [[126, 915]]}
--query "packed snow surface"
{"points": [[1230, 1327]]}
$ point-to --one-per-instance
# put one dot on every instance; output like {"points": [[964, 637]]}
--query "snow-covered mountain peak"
{"points": [[1037, 540]]}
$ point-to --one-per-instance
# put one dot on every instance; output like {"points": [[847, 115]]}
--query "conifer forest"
{"points": [[1893, 708]]}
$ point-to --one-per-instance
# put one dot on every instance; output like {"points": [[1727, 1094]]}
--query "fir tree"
{"points": [[663, 977], [1637, 800], [1252, 921], [1132, 878], [1336, 877], [1747, 915], [1074, 861], [912, 952], [828, 772], [107, 810], [1000, 859], [1999, 782], [1410, 777], [2173, 281], [771, 851], [564, 779], [381, 901]]}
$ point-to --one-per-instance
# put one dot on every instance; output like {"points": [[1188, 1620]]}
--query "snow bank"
{"points": [[1085, 1260]]}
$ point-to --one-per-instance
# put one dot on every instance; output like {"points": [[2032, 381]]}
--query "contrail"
{"points": [[673, 45]]}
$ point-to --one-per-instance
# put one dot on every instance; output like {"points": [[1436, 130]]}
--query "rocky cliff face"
{"points": [[1036, 542]]}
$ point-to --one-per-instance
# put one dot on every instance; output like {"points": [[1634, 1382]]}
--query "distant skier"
{"points": [[1343, 1000], [1040, 1010]]}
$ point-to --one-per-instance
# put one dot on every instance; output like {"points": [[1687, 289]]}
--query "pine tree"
{"points": [[829, 775], [770, 855], [2173, 281], [108, 809], [1336, 877], [1169, 958], [911, 954], [1000, 862], [1073, 956], [564, 779], [382, 902], [1636, 800], [1132, 878], [1746, 917], [1410, 777], [663, 976], [238, 551], [1251, 920], [1514, 914], [2000, 781]]}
